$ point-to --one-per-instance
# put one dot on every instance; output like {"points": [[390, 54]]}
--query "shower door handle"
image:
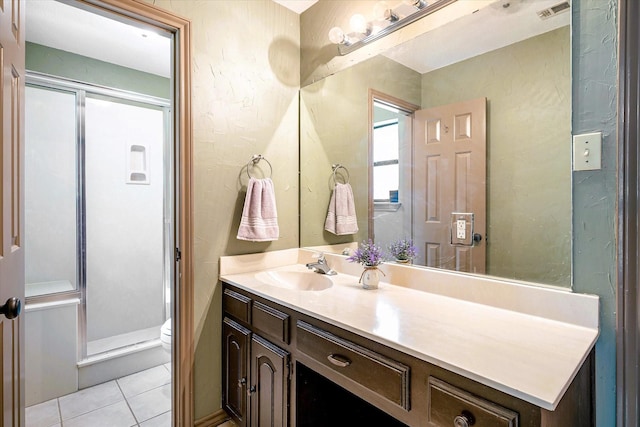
{"points": [[11, 309]]}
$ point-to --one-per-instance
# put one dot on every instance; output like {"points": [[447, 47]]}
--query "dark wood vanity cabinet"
{"points": [[255, 371], [235, 370], [269, 388], [282, 367]]}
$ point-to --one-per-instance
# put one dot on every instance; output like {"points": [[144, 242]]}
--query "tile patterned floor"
{"points": [[139, 400]]}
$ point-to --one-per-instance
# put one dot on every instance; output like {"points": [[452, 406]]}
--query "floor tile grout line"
{"points": [[58, 402], [126, 401], [59, 411]]}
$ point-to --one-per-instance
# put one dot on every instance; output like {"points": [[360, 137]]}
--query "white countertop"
{"points": [[523, 340]]}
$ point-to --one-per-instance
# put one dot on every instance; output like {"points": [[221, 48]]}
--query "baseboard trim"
{"points": [[212, 420]]}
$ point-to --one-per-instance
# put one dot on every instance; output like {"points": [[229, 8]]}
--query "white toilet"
{"points": [[165, 335]]}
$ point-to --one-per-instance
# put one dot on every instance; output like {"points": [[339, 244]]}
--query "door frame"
{"points": [[375, 95], [182, 315], [628, 246]]}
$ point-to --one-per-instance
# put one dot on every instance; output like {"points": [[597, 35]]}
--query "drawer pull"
{"points": [[465, 419], [338, 360]]}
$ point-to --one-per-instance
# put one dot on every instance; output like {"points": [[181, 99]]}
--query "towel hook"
{"points": [[335, 168], [254, 161]]}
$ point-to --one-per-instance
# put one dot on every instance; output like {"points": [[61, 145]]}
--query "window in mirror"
{"points": [[385, 160], [391, 125]]}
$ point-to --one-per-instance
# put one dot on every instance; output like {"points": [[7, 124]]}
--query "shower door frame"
{"points": [[82, 91]]}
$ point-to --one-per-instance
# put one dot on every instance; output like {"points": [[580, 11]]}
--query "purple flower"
{"points": [[368, 254], [403, 249]]}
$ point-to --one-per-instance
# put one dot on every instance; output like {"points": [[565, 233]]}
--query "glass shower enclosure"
{"points": [[99, 210]]}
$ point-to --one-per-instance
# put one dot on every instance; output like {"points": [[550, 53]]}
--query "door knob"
{"points": [[11, 309]]}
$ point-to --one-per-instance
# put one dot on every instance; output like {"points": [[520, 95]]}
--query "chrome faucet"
{"points": [[321, 267]]}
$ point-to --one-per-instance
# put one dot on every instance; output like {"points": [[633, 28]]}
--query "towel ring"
{"points": [[335, 168], [254, 161]]}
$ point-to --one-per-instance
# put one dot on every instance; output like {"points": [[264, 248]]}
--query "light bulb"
{"points": [[380, 10], [336, 35], [416, 3], [358, 24]]}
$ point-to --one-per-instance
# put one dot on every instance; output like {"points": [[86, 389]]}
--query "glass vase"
{"points": [[370, 278]]}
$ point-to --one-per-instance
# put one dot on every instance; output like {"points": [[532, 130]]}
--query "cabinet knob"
{"points": [[465, 419], [251, 389], [242, 382]]}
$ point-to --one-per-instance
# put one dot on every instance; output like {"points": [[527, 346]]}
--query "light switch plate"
{"points": [[587, 151]]}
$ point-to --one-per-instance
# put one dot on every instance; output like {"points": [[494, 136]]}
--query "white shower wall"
{"points": [[51, 334], [124, 221], [50, 184]]}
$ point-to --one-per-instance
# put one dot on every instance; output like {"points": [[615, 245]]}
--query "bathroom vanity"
{"points": [[432, 349]]}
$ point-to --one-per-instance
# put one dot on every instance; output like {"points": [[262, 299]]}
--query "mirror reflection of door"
{"points": [[449, 177]]}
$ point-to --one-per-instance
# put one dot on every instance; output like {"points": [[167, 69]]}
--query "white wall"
{"points": [[123, 221], [50, 186], [50, 351]]}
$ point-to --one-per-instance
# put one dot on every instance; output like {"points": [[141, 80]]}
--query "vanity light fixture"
{"points": [[385, 21], [417, 3]]}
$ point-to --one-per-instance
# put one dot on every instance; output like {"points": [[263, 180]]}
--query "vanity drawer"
{"points": [[451, 406], [236, 305], [386, 377], [272, 322]]}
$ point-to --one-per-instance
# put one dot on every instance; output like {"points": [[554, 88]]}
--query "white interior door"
{"points": [[450, 177], [12, 60]]}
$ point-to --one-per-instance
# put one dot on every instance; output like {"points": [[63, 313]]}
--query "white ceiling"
{"points": [[490, 28], [297, 6], [55, 24]]}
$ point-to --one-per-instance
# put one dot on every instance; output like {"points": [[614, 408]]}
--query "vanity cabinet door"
{"points": [[269, 384], [235, 364]]}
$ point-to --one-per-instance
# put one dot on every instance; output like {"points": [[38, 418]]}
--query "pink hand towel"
{"points": [[259, 222], [341, 216]]}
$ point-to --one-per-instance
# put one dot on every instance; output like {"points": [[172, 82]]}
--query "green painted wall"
{"points": [[245, 78], [334, 117], [528, 91], [57, 62], [595, 99]]}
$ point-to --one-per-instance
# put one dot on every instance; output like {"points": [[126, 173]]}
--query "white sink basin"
{"points": [[295, 280]]}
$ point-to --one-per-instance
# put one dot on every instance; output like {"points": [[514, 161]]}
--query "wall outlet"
{"points": [[462, 228]]}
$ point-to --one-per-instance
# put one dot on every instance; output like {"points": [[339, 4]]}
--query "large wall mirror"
{"points": [[517, 66]]}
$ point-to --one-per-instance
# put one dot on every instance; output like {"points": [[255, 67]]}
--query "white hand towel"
{"points": [[259, 222], [341, 216]]}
